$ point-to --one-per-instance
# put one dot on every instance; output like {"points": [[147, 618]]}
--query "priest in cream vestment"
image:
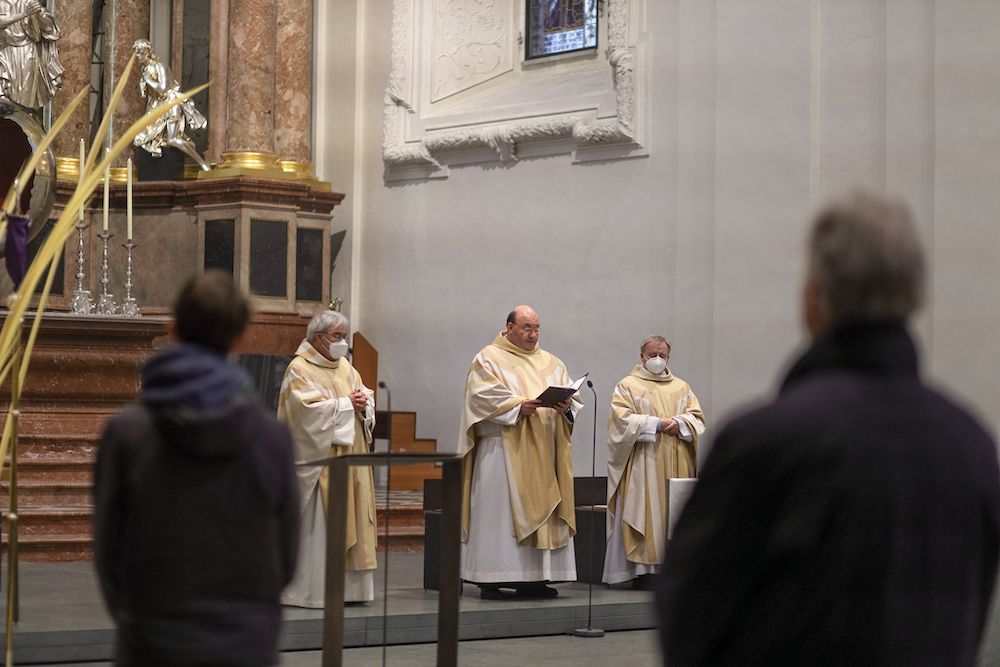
{"points": [[331, 413], [652, 436], [518, 513]]}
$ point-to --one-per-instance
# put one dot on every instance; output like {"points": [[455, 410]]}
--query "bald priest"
{"points": [[518, 521]]}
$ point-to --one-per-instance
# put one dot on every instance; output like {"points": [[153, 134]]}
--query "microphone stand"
{"points": [[388, 492], [590, 630]]}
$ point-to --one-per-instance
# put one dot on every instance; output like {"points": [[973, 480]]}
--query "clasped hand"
{"points": [[670, 426], [358, 400]]}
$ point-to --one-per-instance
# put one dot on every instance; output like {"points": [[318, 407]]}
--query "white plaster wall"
{"points": [[760, 110]]}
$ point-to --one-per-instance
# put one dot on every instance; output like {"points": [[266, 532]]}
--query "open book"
{"points": [[556, 394]]}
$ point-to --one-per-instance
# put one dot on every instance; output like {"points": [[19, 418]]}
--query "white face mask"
{"points": [[337, 349], [656, 365]]}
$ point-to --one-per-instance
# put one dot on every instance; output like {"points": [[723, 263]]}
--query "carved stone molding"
{"points": [[420, 139]]}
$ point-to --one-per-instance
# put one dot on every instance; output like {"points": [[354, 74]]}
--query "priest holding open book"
{"points": [[519, 517]]}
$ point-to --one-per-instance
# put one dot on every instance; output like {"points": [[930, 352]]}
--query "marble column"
{"points": [[250, 100], [176, 60], [293, 84], [218, 67], [75, 19], [128, 20]]}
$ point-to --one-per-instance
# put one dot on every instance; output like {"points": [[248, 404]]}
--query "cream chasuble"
{"points": [[637, 471], [536, 449], [314, 402]]}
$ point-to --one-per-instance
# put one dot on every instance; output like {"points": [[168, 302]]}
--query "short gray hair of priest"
{"points": [[323, 322], [865, 259], [653, 339]]}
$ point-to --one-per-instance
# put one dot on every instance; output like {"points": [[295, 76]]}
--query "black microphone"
{"points": [[385, 537], [590, 630], [388, 399]]}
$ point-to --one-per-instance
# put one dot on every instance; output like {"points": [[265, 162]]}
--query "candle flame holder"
{"points": [[106, 304], [81, 304], [129, 307]]}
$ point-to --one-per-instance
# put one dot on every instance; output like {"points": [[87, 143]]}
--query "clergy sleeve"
{"points": [[343, 424], [649, 430], [685, 430], [508, 418], [318, 422], [690, 415], [368, 416]]}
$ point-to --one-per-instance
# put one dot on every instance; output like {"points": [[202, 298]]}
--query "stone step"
{"points": [[63, 534], [56, 441], [44, 493], [52, 469], [42, 521], [402, 542], [402, 515], [53, 548]]}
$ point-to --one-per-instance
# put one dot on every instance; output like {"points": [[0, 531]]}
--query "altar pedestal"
{"points": [[83, 370], [273, 236]]}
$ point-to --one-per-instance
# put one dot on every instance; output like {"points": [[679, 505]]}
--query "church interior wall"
{"points": [[758, 112]]}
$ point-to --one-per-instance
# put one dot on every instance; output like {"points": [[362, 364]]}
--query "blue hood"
{"points": [[190, 376], [198, 401]]}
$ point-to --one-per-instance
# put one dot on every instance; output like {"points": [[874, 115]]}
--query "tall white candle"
{"points": [[128, 199], [82, 155], [107, 191]]}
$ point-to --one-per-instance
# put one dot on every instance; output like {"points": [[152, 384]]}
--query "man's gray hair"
{"points": [[865, 259], [328, 319], [652, 339]]}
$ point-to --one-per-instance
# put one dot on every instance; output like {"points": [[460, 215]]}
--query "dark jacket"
{"points": [[196, 517], [853, 521]]}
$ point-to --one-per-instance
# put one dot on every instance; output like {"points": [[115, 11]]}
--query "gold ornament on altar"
{"points": [[30, 70], [158, 86]]}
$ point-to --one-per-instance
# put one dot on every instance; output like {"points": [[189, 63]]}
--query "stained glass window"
{"points": [[558, 26]]}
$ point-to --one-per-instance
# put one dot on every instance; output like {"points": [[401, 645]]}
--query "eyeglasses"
{"points": [[529, 330], [335, 337]]}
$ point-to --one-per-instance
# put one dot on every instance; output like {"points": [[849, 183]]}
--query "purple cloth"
{"points": [[14, 247]]}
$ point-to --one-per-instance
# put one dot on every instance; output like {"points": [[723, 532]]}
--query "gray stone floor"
{"points": [[64, 598], [62, 617], [638, 647]]}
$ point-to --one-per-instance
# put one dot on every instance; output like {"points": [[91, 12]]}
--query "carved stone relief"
{"points": [[471, 44]]}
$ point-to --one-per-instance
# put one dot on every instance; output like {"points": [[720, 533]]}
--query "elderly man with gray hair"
{"points": [[856, 519], [652, 436], [331, 413]]}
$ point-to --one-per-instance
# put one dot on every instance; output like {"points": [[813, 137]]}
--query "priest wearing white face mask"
{"points": [[330, 413], [652, 436]]}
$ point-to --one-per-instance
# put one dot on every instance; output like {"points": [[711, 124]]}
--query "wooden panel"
{"points": [[365, 361], [411, 477], [404, 428]]}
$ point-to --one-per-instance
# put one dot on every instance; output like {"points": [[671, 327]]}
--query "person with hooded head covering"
{"points": [[196, 504]]}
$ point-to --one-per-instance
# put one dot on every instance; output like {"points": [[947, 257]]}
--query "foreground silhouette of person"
{"points": [[196, 501], [854, 520]]}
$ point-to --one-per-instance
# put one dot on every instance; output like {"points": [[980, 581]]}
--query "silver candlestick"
{"points": [[81, 304], [129, 307], [106, 304]]}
